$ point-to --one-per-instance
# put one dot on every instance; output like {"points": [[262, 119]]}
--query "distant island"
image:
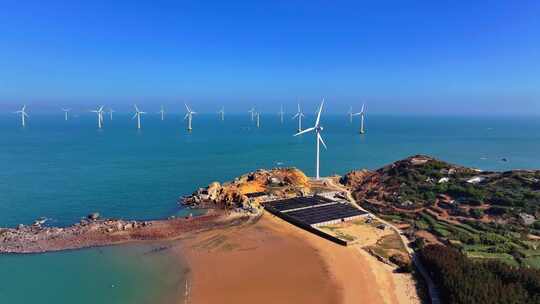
{"points": [[432, 224]]}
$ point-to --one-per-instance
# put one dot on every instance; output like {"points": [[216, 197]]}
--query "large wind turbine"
{"points": [[317, 128], [162, 112], [252, 112], [299, 115], [222, 114], [66, 113], [138, 114], [189, 116], [99, 113], [280, 113], [110, 113], [24, 115], [362, 114]]}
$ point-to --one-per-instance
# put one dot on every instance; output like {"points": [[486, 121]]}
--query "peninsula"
{"points": [[411, 213]]}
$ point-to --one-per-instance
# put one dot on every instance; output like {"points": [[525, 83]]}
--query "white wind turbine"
{"points": [[258, 117], [162, 112], [317, 128], [138, 114], [66, 113], [299, 115], [222, 114], [24, 115], [281, 113], [252, 112], [362, 114], [110, 113], [189, 116], [99, 113]]}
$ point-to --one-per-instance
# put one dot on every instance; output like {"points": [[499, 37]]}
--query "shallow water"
{"points": [[136, 274], [65, 170]]}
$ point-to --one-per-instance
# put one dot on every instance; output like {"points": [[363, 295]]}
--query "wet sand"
{"points": [[272, 261]]}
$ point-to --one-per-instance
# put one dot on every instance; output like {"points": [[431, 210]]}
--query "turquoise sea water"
{"points": [[65, 170]]}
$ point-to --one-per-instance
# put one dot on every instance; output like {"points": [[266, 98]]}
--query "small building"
{"points": [[526, 219]]}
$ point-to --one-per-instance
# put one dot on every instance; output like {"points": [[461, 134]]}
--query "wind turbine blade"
{"points": [[362, 111], [319, 114], [295, 115], [142, 112], [193, 112], [26, 115], [134, 115], [304, 131], [136, 109], [185, 117], [356, 114], [187, 108], [100, 109], [322, 141]]}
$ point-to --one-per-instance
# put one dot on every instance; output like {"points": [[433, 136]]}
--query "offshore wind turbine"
{"points": [[317, 128], [99, 113], [189, 117], [258, 116], [222, 114], [162, 112], [362, 114], [299, 115], [252, 112], [138, 114], [66, 113], [110, 113], [24, 115], [280, 113]]}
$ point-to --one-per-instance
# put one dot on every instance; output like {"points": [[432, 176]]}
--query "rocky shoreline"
{"points": [[104, 232]]}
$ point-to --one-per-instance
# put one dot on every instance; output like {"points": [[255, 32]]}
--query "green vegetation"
{"points": [[485, 243], [462, 280]]}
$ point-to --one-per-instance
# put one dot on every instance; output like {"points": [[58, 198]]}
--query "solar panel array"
{"points": [[297, 202], [325, 213]]}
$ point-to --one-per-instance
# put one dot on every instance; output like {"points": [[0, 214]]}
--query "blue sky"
{"points": [[436, 57]]}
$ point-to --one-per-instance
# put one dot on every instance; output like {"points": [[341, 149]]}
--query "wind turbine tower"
{"points": [[299, 115], [24, 115], [66, 113], [318, 138], [252, 112], [362, 114], [99, 113], [258, 116], [162, 112], [281, 114], [222, 114], [189, 117], [138, 114]]}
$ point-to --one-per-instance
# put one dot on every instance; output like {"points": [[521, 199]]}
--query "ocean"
{"points": [[63, 170]]}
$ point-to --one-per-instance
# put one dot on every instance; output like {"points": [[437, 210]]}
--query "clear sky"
{"points": [[438, 57]]}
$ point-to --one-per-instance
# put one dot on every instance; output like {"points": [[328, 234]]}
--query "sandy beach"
{"points": [[271, 261]]}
